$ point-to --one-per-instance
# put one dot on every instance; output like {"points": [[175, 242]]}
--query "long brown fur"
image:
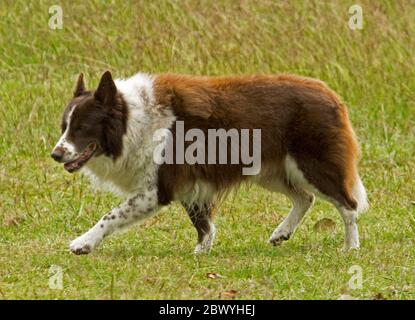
{"points": [[298, 116]]}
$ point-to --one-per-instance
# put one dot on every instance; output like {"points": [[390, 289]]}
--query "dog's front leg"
{"points": [[135, 209]]}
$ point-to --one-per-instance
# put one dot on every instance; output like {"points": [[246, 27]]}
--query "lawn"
{"points": [[43, 208]]}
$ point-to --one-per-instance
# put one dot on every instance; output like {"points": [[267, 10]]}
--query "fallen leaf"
{"points": [[229, 294], [149, 280], [213, 275], [11, 222], [393, 290], [324, 225]]}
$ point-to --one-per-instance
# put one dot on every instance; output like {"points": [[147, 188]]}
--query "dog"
{"points": [[307, 147]]}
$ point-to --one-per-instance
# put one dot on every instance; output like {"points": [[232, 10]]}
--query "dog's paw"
{"points": [[206, 244], [279, 236], [83, 244], [351, 248]]}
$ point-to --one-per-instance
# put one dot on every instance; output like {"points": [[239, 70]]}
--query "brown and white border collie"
{"points": [[307, 147]]}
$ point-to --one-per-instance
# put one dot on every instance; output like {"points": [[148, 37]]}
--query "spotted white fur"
{"points": [[133, 175], [137, 208]]}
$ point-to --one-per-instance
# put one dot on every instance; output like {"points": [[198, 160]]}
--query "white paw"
{"points": [[206, 244], [351, 247], [83, 244], [279, 236]]}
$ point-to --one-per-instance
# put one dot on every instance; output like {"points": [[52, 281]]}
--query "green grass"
{"points": [[42, 208]]}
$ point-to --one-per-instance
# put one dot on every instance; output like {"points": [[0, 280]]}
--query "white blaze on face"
{"points": [[69, 150]]}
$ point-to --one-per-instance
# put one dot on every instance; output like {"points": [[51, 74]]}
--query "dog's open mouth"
{"points": [[77, 164]]}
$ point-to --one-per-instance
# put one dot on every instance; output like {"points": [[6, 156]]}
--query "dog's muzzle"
{"points": [[57, 154]]}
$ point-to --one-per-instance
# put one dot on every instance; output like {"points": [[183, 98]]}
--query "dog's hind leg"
{"points": [[334, 183], [302, 200], [202, 219], [137, 208]]}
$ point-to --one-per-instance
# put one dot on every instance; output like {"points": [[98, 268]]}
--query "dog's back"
{"points": [[298, 117]]}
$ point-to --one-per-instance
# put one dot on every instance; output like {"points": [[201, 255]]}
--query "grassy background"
{"points": [[42, 207]]}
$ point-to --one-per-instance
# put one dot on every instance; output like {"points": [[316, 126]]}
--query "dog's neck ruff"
{"points": [[135, 170]]}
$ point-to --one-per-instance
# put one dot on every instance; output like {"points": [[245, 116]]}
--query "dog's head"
{"points": [[92, 125]]}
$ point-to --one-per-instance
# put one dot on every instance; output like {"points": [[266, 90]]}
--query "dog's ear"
{"points": [[107, 90], [80, 86]]}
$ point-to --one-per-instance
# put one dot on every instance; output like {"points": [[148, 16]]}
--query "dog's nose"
{"points": [[57, 154]]}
